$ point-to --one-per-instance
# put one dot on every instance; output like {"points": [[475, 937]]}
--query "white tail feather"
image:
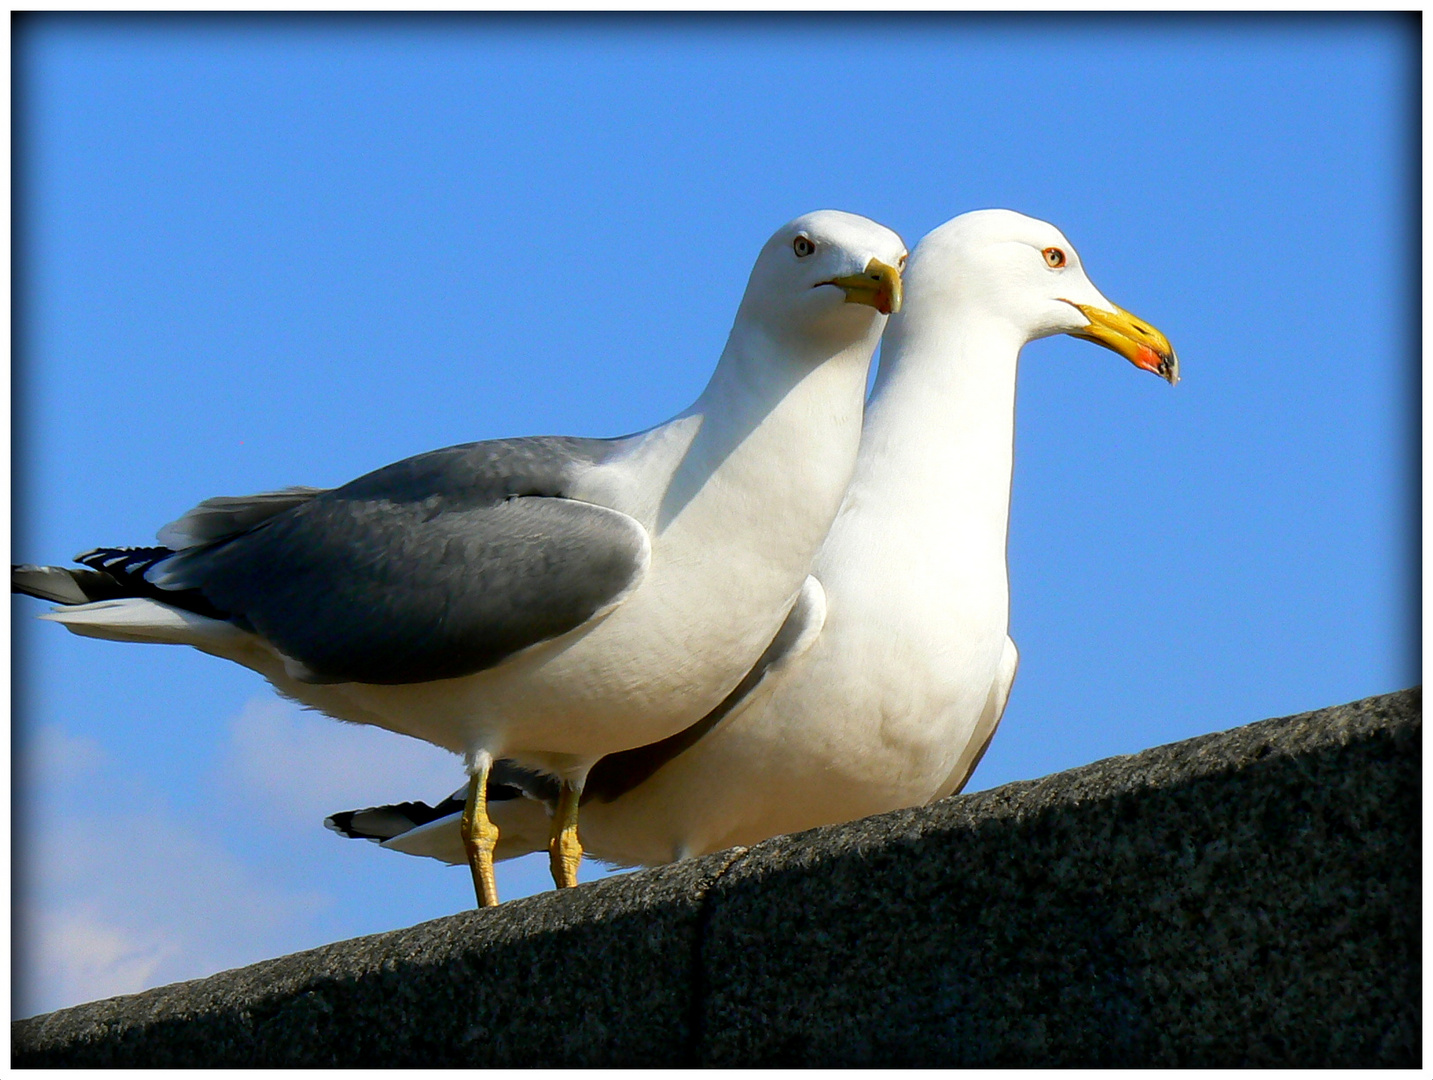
{"points": [[523, 827], [143, 620], [440, 839]]}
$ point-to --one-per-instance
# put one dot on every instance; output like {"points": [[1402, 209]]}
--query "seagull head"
{"points": [[825, 276], [1024, 271]]}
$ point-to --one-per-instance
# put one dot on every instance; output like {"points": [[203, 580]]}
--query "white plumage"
{"points": [[702, 529], [892, 703]]}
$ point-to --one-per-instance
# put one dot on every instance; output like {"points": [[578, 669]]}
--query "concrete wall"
{"points": [[1248, 898]]}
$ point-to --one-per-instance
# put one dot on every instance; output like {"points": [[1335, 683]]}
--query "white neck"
{"points": [[932, 482], [776, 402]]}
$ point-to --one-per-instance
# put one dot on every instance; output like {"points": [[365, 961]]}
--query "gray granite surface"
{"points": [[1248, 898]]}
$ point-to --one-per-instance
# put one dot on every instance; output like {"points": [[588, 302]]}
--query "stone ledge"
{"points": [[1248, 898]]}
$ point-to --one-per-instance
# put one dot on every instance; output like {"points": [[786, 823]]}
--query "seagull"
{"points": [[886, 683], [548, 600]]}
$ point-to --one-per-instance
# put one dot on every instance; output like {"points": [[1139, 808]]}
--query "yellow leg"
{"points": [[564, 847], [480, 835]]}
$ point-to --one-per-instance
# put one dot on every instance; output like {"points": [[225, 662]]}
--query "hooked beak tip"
{"points": [[1165, 365], [878, 286]]}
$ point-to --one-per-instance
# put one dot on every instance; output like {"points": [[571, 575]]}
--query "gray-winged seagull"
{"points": [[886, 683], [545, 600]]}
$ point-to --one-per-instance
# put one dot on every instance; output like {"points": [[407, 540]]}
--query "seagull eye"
{"points": [[803, 246], [1054, 257]]}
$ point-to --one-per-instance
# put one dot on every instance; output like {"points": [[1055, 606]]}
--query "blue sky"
{"points": [[256, 252]]}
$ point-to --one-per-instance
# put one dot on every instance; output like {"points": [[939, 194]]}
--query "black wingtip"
{"points": [[380, 823], [342, 823], [63, 585], [114, 573]]}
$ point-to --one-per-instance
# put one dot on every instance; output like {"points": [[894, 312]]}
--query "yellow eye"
{"points": [[803, 246], [1054, 257]]}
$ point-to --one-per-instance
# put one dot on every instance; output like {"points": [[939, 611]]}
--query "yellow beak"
{"points": [[1134, 339], [878, 286]]}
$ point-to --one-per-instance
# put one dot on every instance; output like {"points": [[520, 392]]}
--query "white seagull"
{"points": [[885, 684], [546, 600]]}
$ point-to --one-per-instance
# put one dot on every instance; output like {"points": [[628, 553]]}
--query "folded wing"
{"points": [[435, 567]]}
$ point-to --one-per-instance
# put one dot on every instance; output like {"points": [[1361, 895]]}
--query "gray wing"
{"points": [[219, 518], [435, 567]]}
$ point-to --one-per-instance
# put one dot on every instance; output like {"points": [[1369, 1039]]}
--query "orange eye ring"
{"points": [[1054, 258], [803, 246]]}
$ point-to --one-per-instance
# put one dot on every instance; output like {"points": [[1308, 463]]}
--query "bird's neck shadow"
{"points": [[762, 387]]}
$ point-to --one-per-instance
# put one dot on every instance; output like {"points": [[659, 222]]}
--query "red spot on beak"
{"points": [[1148, 360]]}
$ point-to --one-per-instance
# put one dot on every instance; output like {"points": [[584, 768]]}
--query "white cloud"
{"points": [[75, 955], [120, 888], [117, 890], [116, 898], [295, 767], [57, 757]]}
